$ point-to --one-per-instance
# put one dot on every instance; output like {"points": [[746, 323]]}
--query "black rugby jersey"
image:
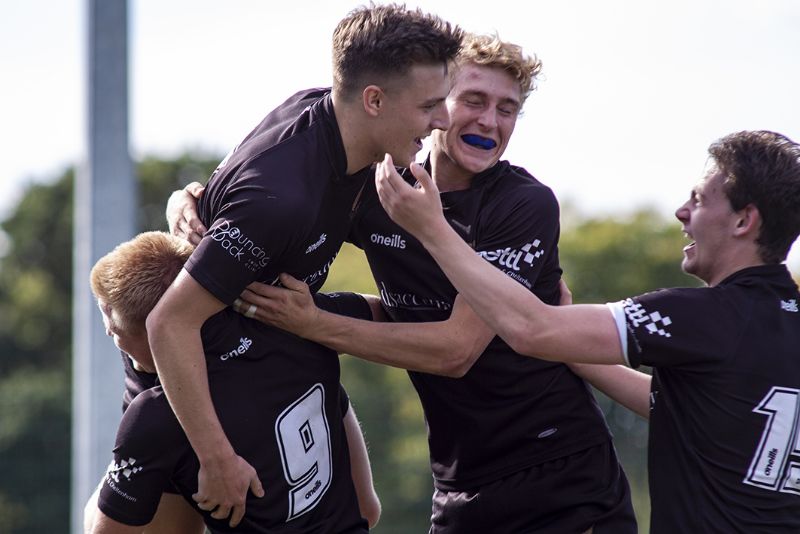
{"points": [[282, 413], [724, 452], [135, 381], [509, 411], [280, 202]]}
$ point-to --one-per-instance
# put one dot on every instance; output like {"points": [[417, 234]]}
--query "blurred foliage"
{"points": [[603, 260]]}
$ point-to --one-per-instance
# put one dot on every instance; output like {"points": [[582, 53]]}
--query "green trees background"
{"points": [[603, 260]]}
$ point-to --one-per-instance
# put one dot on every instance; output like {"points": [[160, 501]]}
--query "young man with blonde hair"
{"points": [[724, 398], [516, 444], [253, 382]]}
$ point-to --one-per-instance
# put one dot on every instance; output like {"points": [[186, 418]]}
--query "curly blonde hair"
{"points": [[491, 51]]}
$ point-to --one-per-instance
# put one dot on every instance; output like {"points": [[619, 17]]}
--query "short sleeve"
{"points": [[148, 444], [675, 328], [252, 229], [344, 303], [520, 237]]}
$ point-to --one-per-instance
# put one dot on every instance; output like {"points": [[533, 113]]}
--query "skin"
{"points": [[483, 101], [369, 127], [174, 515], [724, 242]]}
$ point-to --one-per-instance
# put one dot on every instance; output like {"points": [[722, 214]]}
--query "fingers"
{"points": [[222, 512], [422, 176], [290, 282], [256, 487], [236, 516], [195, 189]]}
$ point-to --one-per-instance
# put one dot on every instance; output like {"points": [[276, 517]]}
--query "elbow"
{"points": [[458, 360], [519, 339], [371, 511]]}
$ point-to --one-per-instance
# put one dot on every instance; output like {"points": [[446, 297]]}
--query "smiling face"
{"points": [[709, 221], [484, 104], [410, 110]]}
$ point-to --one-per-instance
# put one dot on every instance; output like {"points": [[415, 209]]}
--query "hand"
{"points": [[566, 294], [182, 213], [290, 307], [223, 485], [417, 209]]}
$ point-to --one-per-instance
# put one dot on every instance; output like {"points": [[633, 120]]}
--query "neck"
{"points": [[355, 135], [738, 261], [447, 175]]}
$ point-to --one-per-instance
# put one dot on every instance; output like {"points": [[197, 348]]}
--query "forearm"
{"points": [[529, 326], [624, 385], [180, 361], [435, 347]]}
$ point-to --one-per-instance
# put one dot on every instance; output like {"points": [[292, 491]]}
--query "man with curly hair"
{"points": [[516, 444]]}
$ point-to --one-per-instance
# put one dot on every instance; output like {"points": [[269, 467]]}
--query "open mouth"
{"points": [[478, 141]]}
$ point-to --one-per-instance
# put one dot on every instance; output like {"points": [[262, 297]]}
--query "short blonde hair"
{"points": [[131, 278], [490, 51]]}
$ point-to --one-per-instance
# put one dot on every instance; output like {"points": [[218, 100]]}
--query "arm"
{"points": [[368, 502], [174, 334], [448, 348], [582, 333], [624, 385], [182, 216], [174, 516], [103, 524]]}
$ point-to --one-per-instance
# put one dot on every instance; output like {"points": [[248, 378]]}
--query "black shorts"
{"points": [[568, 495]]}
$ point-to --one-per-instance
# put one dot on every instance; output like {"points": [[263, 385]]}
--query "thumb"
{"points": [[290, 282], [195, 189]]}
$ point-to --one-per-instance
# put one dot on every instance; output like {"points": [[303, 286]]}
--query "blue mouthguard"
{"points": [[478, 141]]}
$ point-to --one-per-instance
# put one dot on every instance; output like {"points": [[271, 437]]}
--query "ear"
{"points": [[373, 100], [748, 221]]}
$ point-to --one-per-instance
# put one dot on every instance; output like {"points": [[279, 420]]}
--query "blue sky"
{"points": [[633, 92]]}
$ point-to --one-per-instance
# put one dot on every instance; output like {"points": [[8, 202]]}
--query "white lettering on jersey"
{"points": [[653, 322], [238, 245], [789, 306], [393, 241], [510, 258], [311, 248], [244, 344]]}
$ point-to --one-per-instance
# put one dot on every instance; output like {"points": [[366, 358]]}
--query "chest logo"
{"points": [[311, 248], [789, 306], [393, 241], [511, 258], [244, 344]]}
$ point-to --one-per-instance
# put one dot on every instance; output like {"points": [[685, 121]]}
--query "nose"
{"points": [[441, 118], [682, 213], [488, 117]]}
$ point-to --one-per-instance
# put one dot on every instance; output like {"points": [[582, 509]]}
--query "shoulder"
{"points": [[149, 416], [516, 186]]}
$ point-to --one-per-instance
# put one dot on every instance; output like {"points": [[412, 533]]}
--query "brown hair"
{"points": [[490, 51], [763, 168], [132, 277], [386, 41]]}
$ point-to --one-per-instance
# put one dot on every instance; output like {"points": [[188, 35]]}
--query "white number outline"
{"points": [[772, 467], [309, 476]]}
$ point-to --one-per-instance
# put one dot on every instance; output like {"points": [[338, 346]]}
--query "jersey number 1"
{"points": [[772, 467], [305, 445]]}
